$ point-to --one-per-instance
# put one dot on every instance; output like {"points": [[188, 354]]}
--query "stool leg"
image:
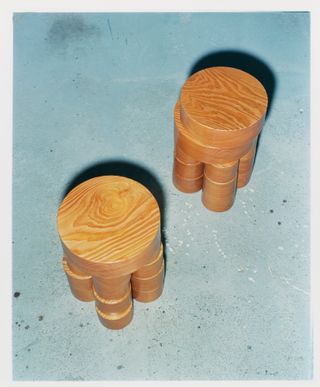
{"points": [[246, 166], [219, 185], [113, 301], [80, 283], [187, 173], [147, 282]]}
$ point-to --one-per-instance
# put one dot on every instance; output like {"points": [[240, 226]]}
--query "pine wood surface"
{"points": [[109, 226], [187, 185], [149, 283], [188, 171], [113, 301], [201, 152], [112, 305], [217, 120], [148, 296], [112, 288], [116, 320], [222, 173], [74, 267], [80, 285], [151, 268], [184, 157], [218, 196], [223, 106], [246, 166]]}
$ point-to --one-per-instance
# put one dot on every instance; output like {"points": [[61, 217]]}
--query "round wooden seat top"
{"points": [[109, 226], [223, 104]]}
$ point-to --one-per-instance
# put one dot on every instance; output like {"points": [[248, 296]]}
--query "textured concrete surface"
{"points": [[95, 88]]}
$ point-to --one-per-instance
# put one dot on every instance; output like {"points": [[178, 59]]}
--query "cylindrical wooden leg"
{"points": [[187, 173], [147, 282], [246, 166], [184, 157], [79, 282], [221, 173], [113, 301], [219, 185]]}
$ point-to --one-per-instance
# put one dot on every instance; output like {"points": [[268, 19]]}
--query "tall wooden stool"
{"points": [[217, 121], [109, 228]]}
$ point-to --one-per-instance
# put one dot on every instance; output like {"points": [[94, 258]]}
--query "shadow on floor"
{"points": [[132, 171], [243, 61]]}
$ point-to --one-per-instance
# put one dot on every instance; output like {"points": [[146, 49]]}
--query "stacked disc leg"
{"points": [[246, 166], [147, 282], [113, 301], [80, 283], [188, 173], [217, 121], [219, 185]]}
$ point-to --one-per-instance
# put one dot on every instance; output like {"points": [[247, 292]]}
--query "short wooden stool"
{"points": [[217, 121], [109, 228]]}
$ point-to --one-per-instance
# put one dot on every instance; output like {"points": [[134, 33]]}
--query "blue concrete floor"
{"points": [[98, 87]]}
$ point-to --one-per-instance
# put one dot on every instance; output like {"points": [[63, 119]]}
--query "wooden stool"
{"points": [[217, 121], [109, 228]]}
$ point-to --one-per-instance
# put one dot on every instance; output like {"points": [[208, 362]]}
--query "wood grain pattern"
{"points": [[188, 171], [115, 320], [185, 158], [217, 120], [80, 285], [223, 106], [113, 300], [218, 196], [148, 296], [147, 289], [74, 267], [246, 166], [152, 267], [187, 185], [222, 173], [112, 288], [109, 226], [147, 282], [113, 305], [204, 152]]}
